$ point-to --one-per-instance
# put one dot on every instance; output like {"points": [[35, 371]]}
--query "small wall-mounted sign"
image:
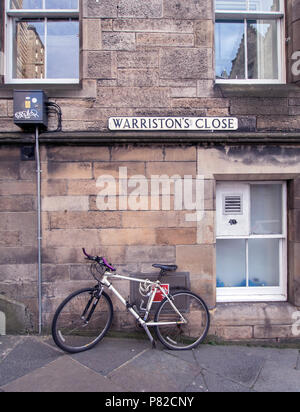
{"points": [[172, 123]]}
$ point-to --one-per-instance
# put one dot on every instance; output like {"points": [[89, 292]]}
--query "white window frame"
{"points": [[261, 293], [10, 14], [253, 15]]}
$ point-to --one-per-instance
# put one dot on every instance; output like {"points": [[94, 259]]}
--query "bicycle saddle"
{"points": [[167, 268]]}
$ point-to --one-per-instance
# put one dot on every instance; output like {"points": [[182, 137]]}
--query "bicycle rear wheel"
{"points": [[182, 336], [82, 320]]}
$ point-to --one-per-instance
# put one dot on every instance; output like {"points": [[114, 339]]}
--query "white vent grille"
{"points": [[232, 205]]}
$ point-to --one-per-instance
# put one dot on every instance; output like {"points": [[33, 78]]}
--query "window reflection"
{"points": [[262, 49], [230, 50], [49, 4], [29, 50], [51, 56], [62, 49], [26, 4], [61, 4]]}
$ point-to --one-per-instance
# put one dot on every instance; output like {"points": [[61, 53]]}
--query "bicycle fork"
{"points": [[94, 297]]}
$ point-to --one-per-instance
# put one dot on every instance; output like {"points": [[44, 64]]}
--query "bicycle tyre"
{"points": [[183, 336], [86, 336]]}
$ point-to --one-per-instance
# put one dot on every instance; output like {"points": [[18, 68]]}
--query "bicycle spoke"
{"points": [[184, 335], [77, 325]]}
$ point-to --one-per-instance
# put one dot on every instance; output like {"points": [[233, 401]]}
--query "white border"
{"points": [[232, 15], [261, 293], [8, 54]]}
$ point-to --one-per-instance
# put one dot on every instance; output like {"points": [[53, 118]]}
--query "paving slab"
{"points": [[7, 343], [62, 375], [155, 371], [231, 362], [111, 353], [28, 355], [210, 382], [277, 379], [280, 357]]}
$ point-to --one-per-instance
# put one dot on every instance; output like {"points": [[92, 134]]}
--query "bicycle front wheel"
{"points": [[82, 320], [186, 329]]}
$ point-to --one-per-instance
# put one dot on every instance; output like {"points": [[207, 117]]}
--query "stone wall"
{"points": [[18, 233], [141, 57], [133, 239]]}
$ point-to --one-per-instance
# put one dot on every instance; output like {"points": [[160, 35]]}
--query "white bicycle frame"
{"points": [[155, 287]]}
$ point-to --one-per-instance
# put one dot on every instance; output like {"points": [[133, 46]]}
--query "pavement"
{"points": [[35, 364]]}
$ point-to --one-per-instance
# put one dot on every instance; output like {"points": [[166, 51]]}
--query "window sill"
{"points": [[255, 90], [250, 298]]}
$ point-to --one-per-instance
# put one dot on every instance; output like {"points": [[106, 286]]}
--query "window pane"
{"points": [[264, 262], [230, 50], [62, 49], [266, 209], [262, 49], [49, 4], [62, 4], [231, 5], [252, 5], [264, 5], [29, 50], [26, 4], [231, 263]]}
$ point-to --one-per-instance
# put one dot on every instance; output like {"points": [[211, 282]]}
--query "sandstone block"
{"points": [[71, 237], [187, 9], [186, 63], [118, 41], [137, 78], [134, 96], [131, 153], [170, 168], [17, 203], [138, 59], [273, 331], [165, 39], [154, 219], [91, 34], [9, 170], [78, 153], [178, 236], [103, 8], [183, 154], [204, 33], [196, 259], [69, 170], [62, 203], [153, 25], [98, 65], [127, 237], [151, 254], [233, 332], [140, 8], [9, 239], [84, 220]]}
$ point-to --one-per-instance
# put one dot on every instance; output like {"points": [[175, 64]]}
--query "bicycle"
{"points": [[181, 320]]}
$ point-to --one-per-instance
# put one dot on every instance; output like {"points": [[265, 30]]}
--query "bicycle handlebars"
{"points": [[99, 259]]}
